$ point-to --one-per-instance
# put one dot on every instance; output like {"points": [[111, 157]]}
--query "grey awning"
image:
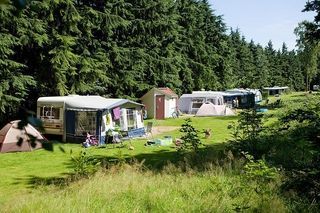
{"points": [[86, 103]]}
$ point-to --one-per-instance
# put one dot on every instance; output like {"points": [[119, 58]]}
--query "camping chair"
{"points": [[149, 129], [116, 138]]}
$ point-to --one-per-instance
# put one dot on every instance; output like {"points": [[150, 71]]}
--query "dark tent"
{"points": [[14, 139]]}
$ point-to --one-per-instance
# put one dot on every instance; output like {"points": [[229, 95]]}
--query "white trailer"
{"points": [[51, 111], [71, 116]]}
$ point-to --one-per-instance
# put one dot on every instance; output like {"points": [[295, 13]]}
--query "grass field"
{"points": [[18, 169], [32, 181], [131, 190]]}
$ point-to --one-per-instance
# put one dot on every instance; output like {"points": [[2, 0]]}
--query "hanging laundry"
{"points": [[109, 119], [116, 113]]}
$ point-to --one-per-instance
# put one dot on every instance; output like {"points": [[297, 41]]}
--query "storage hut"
{"points": [[73, 116], [160, 103], [190, 103], [276, 90]]}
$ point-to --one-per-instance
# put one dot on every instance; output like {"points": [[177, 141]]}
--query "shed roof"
{"points": [[167, 91], [163, 90]]}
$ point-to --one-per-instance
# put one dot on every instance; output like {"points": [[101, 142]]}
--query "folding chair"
{"points": [[149, 129], [116, 139]]}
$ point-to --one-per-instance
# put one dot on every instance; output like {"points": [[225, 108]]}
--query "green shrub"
{"points": [[246, 133], [259, 170], [190, 138], [84, 165], [249, 125]]}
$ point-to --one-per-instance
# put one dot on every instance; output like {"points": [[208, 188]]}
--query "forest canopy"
{"points": [[122, 48]]}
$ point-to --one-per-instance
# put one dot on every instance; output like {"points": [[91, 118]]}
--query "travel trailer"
{"points": [[72, 116], [190, 103]]}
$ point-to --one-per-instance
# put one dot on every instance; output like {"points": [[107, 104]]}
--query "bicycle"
{"points": [[176, 113]]}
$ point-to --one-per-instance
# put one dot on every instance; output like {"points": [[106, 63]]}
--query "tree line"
{"points": [[122, 48]]}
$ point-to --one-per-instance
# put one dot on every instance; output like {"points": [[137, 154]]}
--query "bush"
{"points": [[84, 165], [259, 170], [190, 138], [306, 183], [246, 133]]}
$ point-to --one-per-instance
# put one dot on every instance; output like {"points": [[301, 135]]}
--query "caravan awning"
{"points": [[202, 95], [233, 93], [89, 103], [86, 103], [275, 88]]}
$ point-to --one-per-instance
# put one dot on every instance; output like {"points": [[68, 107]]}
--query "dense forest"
{"points": [[121, 48]]}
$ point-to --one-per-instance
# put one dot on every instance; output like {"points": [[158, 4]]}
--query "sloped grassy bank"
{"points": [[132, 188]]}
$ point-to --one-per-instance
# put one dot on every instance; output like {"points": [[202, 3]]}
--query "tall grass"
{"points": [[131, 188]]}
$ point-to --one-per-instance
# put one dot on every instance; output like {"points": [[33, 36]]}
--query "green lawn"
{"points": [[18, 169]]}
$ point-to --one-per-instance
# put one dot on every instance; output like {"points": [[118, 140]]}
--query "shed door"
{"points": [[160, 106]]}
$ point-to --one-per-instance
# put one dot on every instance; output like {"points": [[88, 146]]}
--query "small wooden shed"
{"points": [[160, 103]]}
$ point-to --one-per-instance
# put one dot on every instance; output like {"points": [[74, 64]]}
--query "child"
{"points": [[86, 144], [88, 141]]}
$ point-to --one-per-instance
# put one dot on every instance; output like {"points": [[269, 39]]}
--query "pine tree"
{"points": [[233, 59], [308, 51], [14, 83], [272, 64], [203, 41], [145, 55], [313, 28], [246, 65], [260, 62], [295, 71]]}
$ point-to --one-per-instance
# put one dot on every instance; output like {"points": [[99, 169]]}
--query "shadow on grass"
{"points": [[159, 159], [36, 181], [155, 161]]}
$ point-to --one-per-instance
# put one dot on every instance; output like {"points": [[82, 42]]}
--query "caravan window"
{"points": [[213, 101], [49, 112], [196, 103]]}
